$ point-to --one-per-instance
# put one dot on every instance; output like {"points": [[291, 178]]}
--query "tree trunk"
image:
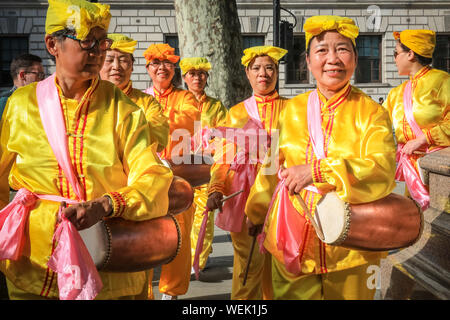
{"points": [[211, 29]]}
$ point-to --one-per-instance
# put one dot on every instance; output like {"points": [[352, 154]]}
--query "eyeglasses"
{"points": [[40, 75], [89, 44], [156, 64]]}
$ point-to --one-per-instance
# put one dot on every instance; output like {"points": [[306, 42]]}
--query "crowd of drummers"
{"points": [[86, 151]]}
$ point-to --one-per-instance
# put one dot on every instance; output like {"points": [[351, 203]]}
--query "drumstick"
{"points": [[249, 260], [231, 195], [313, 222]]}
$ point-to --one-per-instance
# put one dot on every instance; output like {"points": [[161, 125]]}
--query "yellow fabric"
{"points": [[213, 114], [431, 109], [317, 24], [160, 51], [420, 41], [122, 43], [182, 110], [158, 122], [110, 147], [79, 15], [360, 166], [273, 52], [350, 284], [269, 109], [196, 63], [176, 275]]}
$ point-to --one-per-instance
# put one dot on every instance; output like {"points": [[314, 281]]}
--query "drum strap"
{"points": [[408, 108]]}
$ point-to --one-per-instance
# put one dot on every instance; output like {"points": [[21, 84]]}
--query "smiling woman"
{"points": [[103, 140]]}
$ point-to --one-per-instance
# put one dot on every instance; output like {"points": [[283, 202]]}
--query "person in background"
{"points": [[419, 107], [334, 138], [25, 69], [117, 68], [195, 72], [182, 110]]}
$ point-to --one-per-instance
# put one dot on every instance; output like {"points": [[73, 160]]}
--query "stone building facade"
{"points": [[22, 28]]}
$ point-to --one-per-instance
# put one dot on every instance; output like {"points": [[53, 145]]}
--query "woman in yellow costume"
{"points": [[419, 108], [181, 107], [109, 148], [213, 114], [355, 159], [117, 68], [262, 109]]}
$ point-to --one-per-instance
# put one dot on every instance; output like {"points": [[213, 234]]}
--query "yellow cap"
{"points": [[78, 15], [420, 41], [316, 25], [196, 63], [122, 43], [160, 51], [274, 52]]}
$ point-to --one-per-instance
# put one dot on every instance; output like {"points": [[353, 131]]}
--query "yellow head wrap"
{"points": [[79, 15], [274, 52], [122, 43], [316, 25], [196, 63], [421, 42], [160, 51]]}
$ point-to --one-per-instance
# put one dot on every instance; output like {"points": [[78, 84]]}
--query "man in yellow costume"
{"points": [[181, 108], [355, 158], [109, 147], [213, 114], [117, 68], [262, 111], [419, 108]]}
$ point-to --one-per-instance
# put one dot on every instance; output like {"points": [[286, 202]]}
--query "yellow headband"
{"points": [[78, 15], [273, 52], [316, 25], [195, 63], [421, 42], [160, 51], [122, 43]]}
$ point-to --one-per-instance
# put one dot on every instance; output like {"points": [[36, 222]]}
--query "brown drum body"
{"points": [[181, 195], [197, 172], [142, 245], [389, 223]]}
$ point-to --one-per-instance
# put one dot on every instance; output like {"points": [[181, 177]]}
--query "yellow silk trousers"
{"points": [[348, 284], [200, 198], [176, 275], [259, 280]]}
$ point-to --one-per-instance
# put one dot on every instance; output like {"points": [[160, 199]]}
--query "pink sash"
{"points": [[78, 277], [150, 91]]}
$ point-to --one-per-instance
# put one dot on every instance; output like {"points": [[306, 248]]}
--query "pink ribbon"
{"points": [[408, 108], [150, 91], [200, 241]]}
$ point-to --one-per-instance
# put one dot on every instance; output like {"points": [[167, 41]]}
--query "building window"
{"points": [[252, 41], [369, 61], [441, 54], [296, 69], [11, 47], [172, 40]]}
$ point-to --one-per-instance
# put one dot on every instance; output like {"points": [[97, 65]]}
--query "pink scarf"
{"points": [[150, 91], [78, 277]]}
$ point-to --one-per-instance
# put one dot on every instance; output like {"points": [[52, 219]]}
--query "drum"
{"points": [[118, 245], [181, 195], [389, 223], [196, 172]]}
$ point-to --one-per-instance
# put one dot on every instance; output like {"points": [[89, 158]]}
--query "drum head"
{"points": [[330, 215], [96, 240]]}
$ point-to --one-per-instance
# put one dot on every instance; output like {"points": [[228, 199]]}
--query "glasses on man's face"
{"points": [[40, 75], [165, 63], [89, 44]]}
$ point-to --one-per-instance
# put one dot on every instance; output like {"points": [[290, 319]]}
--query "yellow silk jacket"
{"points": [[182, 110], [109, 144], [269, 109], [359, 166], [431, 106], [214, 113], [158, 122]]}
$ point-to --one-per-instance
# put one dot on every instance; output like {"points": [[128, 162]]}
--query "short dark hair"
{"points": [[421, 59], [23, 61], [60, 36]]}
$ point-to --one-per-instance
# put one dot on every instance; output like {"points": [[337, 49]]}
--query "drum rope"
{"points": [[179, 237], [109, 251]]}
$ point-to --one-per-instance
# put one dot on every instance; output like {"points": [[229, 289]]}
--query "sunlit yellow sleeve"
{"points": [[214, 113], [159, 125], [6, 158]]}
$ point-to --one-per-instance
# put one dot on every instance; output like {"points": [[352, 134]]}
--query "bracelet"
{"points": [[109, 250], [111, 204], [179, 238]]}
